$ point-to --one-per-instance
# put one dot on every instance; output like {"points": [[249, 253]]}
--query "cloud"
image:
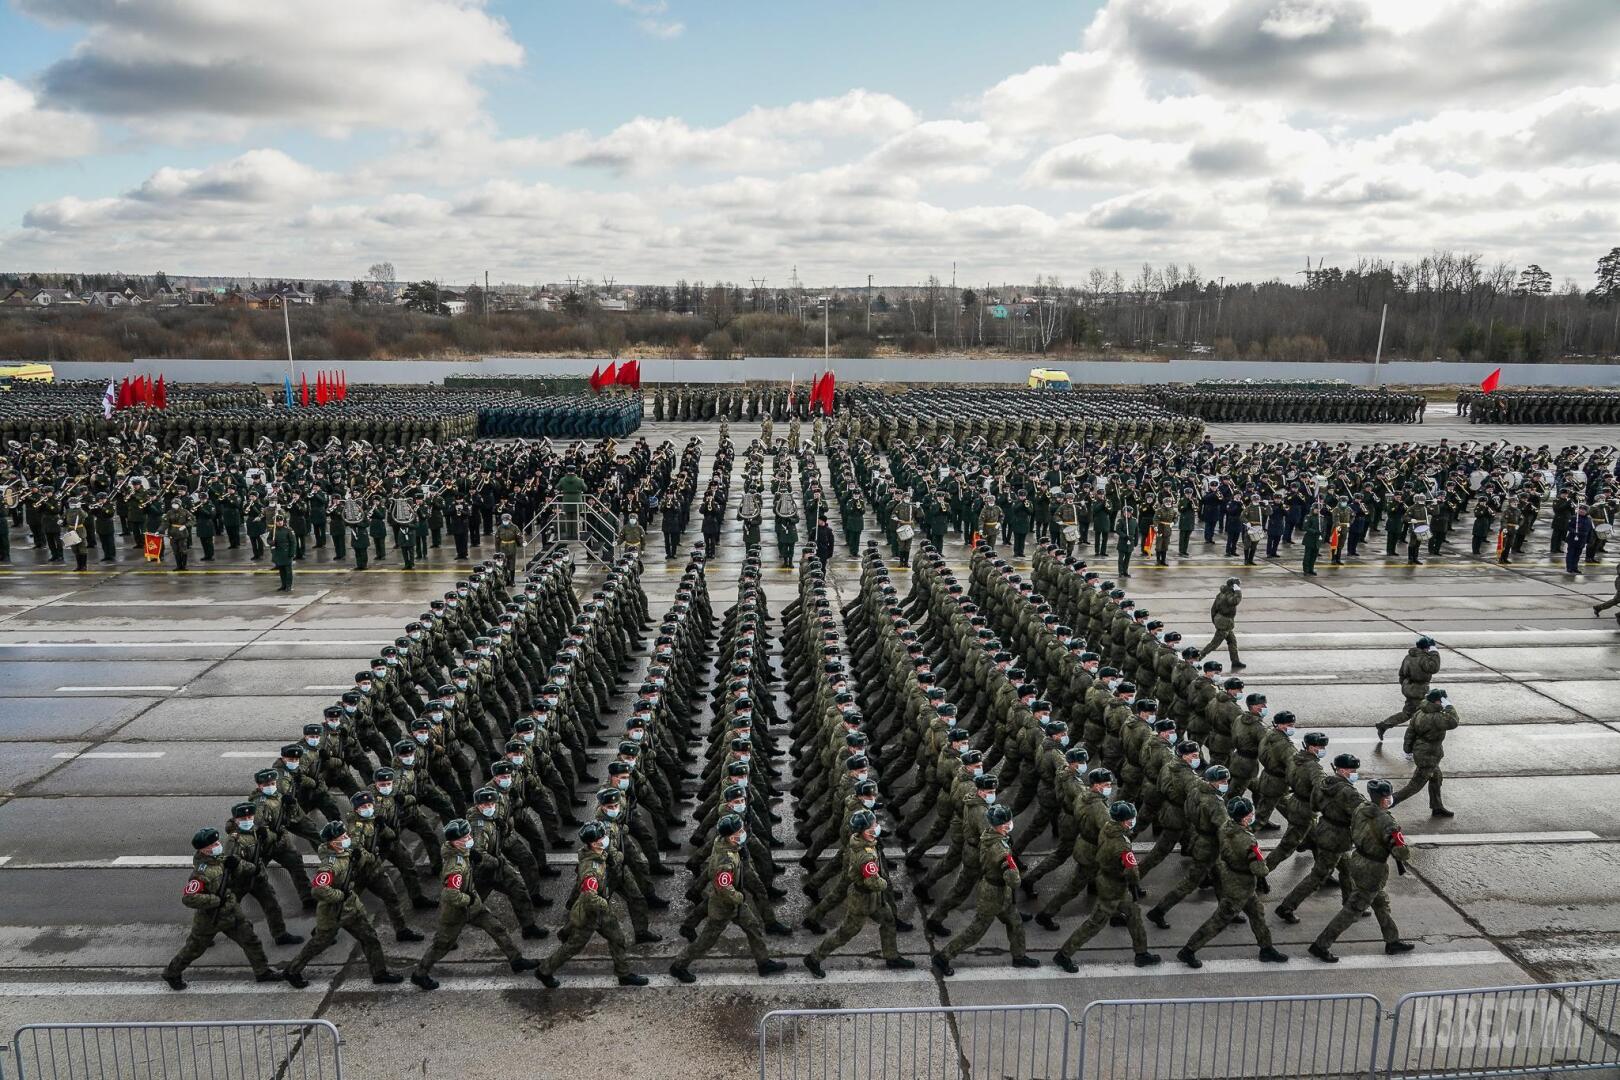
{"points": [[1105, 158], [30, 135], [201, 67], [652, 20], [1359, 55]]}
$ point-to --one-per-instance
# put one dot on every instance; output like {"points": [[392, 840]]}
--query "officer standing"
{"points": [[283, 548], [1127, 533], [207, 892]]}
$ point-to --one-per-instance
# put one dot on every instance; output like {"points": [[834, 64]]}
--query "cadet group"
{"points": [[488, 737]]}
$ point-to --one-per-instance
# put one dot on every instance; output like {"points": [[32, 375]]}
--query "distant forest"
{"points": [[1447, 306]]}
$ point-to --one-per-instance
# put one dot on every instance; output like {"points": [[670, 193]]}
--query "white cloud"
{"points": [[652, 18], [200, 67], [30, 135]]}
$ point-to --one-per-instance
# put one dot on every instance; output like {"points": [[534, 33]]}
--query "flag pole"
{"points": [[286, 325], [1377, 356]]}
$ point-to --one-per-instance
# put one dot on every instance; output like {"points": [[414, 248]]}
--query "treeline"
{"points": [[1446, 306]]}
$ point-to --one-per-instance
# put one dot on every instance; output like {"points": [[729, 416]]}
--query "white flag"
{"points": [[107, 399]]}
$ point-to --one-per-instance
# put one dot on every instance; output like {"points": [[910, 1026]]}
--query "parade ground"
{"points": [[136, 702]]}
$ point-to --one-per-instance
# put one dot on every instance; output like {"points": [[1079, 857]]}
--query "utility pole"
{"points": [[286, 324], [826, 332], [1379, 355], [486, 297], [868, 305]]}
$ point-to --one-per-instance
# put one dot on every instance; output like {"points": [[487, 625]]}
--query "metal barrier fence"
{"points": [[1536, 1030], [222, 1050], [1016, 1042], [1325, 1035]]}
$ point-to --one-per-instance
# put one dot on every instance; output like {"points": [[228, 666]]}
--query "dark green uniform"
{"points": [[591, 912], [458, 906], [208, 894]]}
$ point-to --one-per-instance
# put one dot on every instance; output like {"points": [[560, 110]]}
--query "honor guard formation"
{"points": [[1549, 405], [950, 674]]}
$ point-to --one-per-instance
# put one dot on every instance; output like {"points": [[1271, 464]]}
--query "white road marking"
{"points": [[4, 859], [1294, 678], [1549, 736], [337, 686], [107, 689], [111, 754], [183, 644], [1544, 954], [249, 753], [836, 975]]}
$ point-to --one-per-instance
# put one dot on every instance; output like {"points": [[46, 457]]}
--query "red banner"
{"points": [[1491, 381], [154, 547]]}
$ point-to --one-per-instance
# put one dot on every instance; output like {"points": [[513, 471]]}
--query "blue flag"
{"points": [[286, 385]]}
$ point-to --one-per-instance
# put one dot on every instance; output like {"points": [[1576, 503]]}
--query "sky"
{"points": [[649, 140]]}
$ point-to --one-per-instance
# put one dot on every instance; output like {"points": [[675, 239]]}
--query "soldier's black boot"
{"points": [[550, 981], [1188, 957], [942, 964], [1322, 953], [632, 979], [285, 938], [1147, 959], [900, 963], [1064, 961], [296, 980], [426, 982], [770, 967], [387, 978], [814, 966], [1397, 946], [1270, 955], [524, 963], [175, 982], [683, 973]]}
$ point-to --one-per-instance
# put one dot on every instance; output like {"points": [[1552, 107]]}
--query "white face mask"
{"points": [[1107, 793], [217, 850], [877, 831], [742, 838], [638, 734], [345, 844], [989, 798], [367, 812], [1352, 777], [268, 789], [291, 766], [487, 811], [623, 783], [422, 738], [313, 741], [869, 803], [245, 826], [503, 782], [607, 842], [1222, 788]]}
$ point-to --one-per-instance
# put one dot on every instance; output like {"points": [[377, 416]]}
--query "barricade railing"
{"points": [[1535, 1030], [1320, 1035], [586, 523], [1013, 1042], [211, 1050]]}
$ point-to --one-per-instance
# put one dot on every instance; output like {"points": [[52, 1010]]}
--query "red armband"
{"points": [[322, 880], [453, 880], [1255, 851], [1011, 863], [870, 870], [723, 879], [1397, 838], [590, 884], [193, 887], [1127, 859]]}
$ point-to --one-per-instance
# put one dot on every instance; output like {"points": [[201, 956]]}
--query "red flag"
{"points": [[303, 389], [125, 397], [1492, 381], [596, 379], [320, 388], [143, 390], [152, 547], [161, 397], [630, 373], [635, 379], [825, 393], [611, 375], [343, 385]]}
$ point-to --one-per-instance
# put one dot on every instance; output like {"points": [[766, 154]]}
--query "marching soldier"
{"points": [[337, 886], [998, 878], [1119, 886], [207, 892], [1417, 669], [459, 906], [1223, 613], [1425, 746], [1377, 839], [591, 912], [865, 899], [1239, 867], [726, 904]]}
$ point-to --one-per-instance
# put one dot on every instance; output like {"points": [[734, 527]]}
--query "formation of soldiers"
{"points": [[1000, 417], [454, 760], [1282, 404], [367, 499], [1540, 406], [610, 414], [734, 402], [1153, 501]]}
